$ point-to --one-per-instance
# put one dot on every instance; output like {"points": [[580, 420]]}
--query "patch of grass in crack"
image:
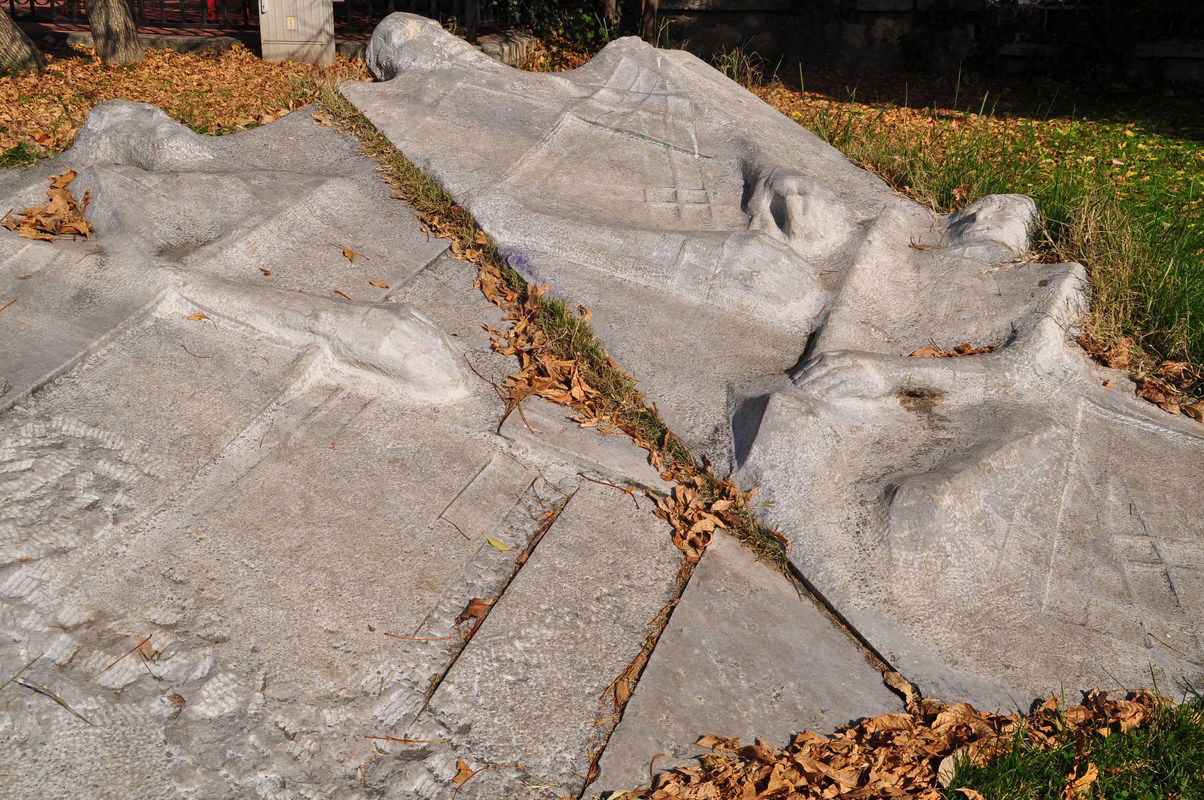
{"points": [[567, 334], [570, 336]]}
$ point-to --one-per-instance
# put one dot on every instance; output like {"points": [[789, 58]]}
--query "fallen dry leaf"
{"points": [[265, 270], [497, 544], [963, 349], [713, 742], [342, 294], [1174, 370], [903, 686], [1117, 355], [321, 118], [899, 755], [1077, 787], [463, 773], [1157, 391], [352, 255], [1195, 411], [947, 767], [61, 215], [197, 316], [476, 610], [379, 284]]}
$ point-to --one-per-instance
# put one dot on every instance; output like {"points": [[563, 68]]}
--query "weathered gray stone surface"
{"points": [[1000, 525], [543, 424], [575, 616], [807, 674], [260, 494], [645, 185]]}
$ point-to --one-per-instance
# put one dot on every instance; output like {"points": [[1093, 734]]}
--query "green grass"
{"points": [[1164, 761], [20, 156]]}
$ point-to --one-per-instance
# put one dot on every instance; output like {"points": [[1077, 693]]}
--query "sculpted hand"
{"points": [[846, 374]]}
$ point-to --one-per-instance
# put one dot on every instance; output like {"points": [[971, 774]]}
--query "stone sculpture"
{"points": [[998, 525], [249, 457], [253, 477], [222, 445]]}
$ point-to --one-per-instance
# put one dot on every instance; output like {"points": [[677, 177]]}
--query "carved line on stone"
{"points": [[390, 344], [150, 309]]}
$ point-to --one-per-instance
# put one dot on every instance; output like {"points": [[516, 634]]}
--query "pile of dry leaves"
{"points": [[212, 92], [911, 754], [60, 215], [552, 54], [963, 349], [1164, 384], [700, 503]]}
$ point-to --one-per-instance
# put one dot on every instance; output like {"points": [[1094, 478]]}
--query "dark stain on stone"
{"points": [[919, 399]]}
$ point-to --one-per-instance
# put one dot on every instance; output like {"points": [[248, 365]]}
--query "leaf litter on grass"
{"points": [[912, 754], [213, 92]]}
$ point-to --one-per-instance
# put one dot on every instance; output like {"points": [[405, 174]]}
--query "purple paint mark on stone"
{"points": [[520, 264]]}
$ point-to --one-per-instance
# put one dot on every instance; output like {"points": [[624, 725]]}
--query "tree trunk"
{"points": [[472, 14], [113, 31], [610, 12], [649, 19], [17, 51]]}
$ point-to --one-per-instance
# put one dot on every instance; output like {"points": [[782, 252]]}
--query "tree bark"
{"points": [[113, 31], [649, 18], [610, 12], [472, 14], [17, 51]]}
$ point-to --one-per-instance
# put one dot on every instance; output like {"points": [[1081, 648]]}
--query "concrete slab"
{"points": [[743, 655], [245, 478], [528, 689]]}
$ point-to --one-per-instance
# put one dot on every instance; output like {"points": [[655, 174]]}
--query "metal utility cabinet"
{"points": [[297, 30]]}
